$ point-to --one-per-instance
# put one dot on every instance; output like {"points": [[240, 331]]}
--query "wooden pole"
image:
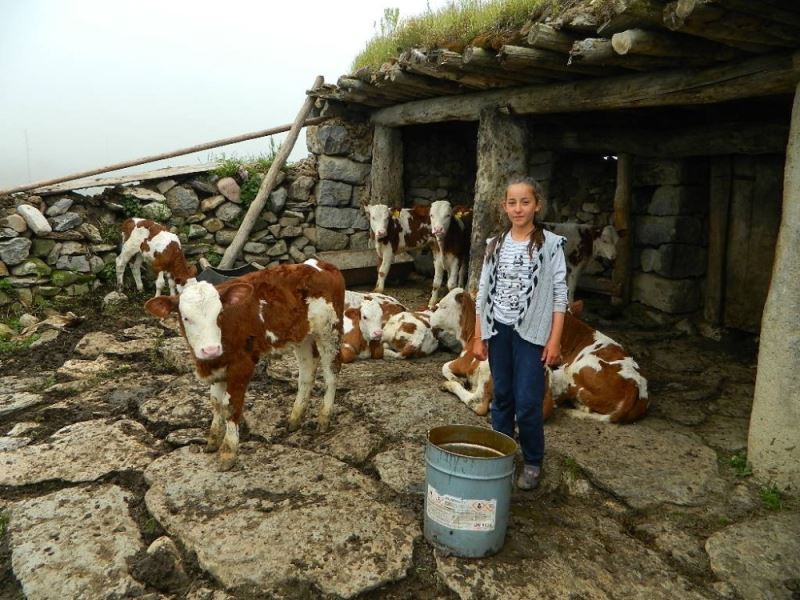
{"points": [[623, 265], [153, 157], [232, 251], [718, 210]]}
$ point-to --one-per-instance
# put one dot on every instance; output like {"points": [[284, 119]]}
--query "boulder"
{"points": [[35, 219], [14, 251], [66, 222], [182, 201], [228, 187]]}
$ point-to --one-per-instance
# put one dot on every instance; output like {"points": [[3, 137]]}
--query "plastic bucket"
{"points": [[468, 472]]}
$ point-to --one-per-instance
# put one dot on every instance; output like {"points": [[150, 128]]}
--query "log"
{"points": [[628, 14], [232, 251], [719, 203], [394, 96], [758, 76], [623, 265], [713, 23], [479, 57], [675, 45], [518, 57], [454, 62], [421, 84], [386, 175], [547, 37], [599, 51]]}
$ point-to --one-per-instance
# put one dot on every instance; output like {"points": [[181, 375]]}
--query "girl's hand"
{"points": [[551, 355], [479, 349]]}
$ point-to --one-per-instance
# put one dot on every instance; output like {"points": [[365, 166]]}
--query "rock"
{"points": [[674, 296], [333, 193], [255, 248], [680, 546], [204, 186], [343, 169], [71, 247], [184, 437], [654, 231], [328, 139], [91, 233], [213, 225], [277, 200], [182, 403], [351, 443], [59, 207], [330, 240], [541, 548], [688, 471], [142, 194], [166, 185], [228, 212], [6, 233], [161, 566], [176, 355], [14, 251], [758, 557], [32, 266], [727, 433], [291, 231], [403, 468], [228, 187], [336, 218], [76, 368], [196, 231], [209, 204], [97, 342], [157, 211], [48, 336], [35, 219], [22, 428], [300, 189], [42, 247], [66, 222], [675, 260], [71, 453], [277, 249], [15, 223], [182, 201], [113, 299], [12, 443], [75, 543], [78, 262], [288, 490], [12, 401], [224, 236]]}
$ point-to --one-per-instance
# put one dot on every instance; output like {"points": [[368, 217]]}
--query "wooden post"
{"points": [[232, 251], [386, 175], [502, 153], [774, 439], [623, 265], [718, 211]]}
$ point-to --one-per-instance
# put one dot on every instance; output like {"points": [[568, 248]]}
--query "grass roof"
{"points": [[455, 26]]}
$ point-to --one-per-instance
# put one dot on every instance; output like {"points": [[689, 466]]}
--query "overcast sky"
{"points": [[93, 82]]}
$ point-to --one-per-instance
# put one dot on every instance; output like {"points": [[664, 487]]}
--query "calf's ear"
{"points": [[161, 306], [576, 308], [236, 293], [460, 297]]}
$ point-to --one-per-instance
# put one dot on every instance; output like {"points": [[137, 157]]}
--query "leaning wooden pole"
{"points": [[623, 266], [154, 157], [232, 251]]}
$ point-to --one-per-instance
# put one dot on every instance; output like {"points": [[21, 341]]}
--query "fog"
{"points": [[89, 83]]}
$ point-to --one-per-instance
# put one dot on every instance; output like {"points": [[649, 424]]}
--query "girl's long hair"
{"points": [[537, 234]]}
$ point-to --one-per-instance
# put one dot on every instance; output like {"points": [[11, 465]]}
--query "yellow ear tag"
{"points": [[395, 214], [458, 215]]}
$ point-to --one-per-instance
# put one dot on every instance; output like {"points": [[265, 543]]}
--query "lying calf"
{"points": [[409, 335], [363, 324]]}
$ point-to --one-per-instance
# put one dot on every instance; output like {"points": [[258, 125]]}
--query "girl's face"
{"points": [[520, 204]]}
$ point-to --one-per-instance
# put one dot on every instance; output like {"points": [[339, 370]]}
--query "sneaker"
{"points": [[529, 477]]}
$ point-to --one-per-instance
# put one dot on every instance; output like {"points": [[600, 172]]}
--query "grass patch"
{"points": [[771, 497], [11, 346], [239, 167], [739, 464], [571, 468], [454, 27]]}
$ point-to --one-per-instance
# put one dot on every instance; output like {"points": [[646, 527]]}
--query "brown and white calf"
{"points": [[229, 326], [146, 239], [585, 242], [396, 230], [451, 230], [455, 314], [596, 374], [364, 318], [409, 335]]}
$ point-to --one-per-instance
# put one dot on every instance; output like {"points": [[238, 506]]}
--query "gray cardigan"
{"points": [[546, 292]]}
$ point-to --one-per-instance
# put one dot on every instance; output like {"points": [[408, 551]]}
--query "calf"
{"points": [[364, 318], [455, 314], [409, 335], [229, 326], [143, 238], [451, 229], [596, 373], [394, 231], [585, 242]]}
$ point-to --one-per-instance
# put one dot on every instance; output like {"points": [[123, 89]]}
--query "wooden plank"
{"points": [[623, 265], [719, 203], [758, 76], [675, 45]]}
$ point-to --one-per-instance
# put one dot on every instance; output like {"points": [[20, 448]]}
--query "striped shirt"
{"points": [[514, 271]]}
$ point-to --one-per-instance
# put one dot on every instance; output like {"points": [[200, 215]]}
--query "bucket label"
{"points": [[461, 513]]}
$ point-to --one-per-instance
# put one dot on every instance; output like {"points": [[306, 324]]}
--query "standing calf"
{"points": [[229, 326], [451, 229], [143, 238], [395, 231]]}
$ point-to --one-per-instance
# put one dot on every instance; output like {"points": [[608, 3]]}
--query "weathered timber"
{"points": [[623, 265], [415, 61], [502, 153], [775, 419], [718, 211], [599, 51], [632, 13], [734, 29], [425, 85], [758, 76], [164, 173], [546, 37], [518, 57], [454, 62], [393, 96], [386, 175], [658, 43], [708, 140], [487, 60], [268, 184]]}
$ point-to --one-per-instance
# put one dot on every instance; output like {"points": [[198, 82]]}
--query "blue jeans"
{"points": [[518, 377]]}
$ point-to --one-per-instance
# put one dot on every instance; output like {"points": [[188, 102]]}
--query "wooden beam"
{"points": [[518, 57], [487, 60], [386, 175], [546, 37], [759, 76], [420, 83], [675, 45], [633, 13], [454, 62], [719, 205], [380, 93], [623, 265], [599, 51], [267, 185]]}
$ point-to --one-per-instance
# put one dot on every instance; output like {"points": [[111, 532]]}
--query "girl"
{"points": [[522, 296]]}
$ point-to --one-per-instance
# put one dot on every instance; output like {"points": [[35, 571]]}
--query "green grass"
{"points": [[233, 166], [454, 26], [740, 465], [771, 497]]}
